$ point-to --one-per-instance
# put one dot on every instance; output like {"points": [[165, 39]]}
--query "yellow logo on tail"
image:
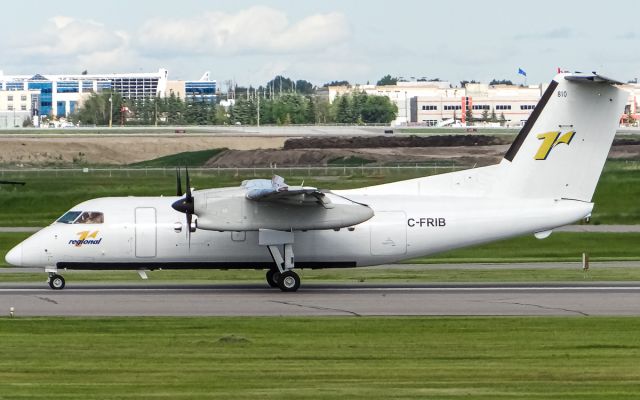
{"points": [[551, 140]]}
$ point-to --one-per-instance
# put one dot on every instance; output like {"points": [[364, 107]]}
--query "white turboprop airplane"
{"points": [[546, 180]]}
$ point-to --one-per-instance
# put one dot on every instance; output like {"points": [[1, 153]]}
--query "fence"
{"points": [[415, 169]]}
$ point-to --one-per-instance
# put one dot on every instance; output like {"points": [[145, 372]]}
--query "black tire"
{"points": [[289, 281], [272, 278], [56, 282]]}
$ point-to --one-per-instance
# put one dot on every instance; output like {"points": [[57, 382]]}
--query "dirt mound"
{"points": [[626, 142], [365, 142]]}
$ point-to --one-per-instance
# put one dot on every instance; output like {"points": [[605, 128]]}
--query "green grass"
{"points": [[318, 358], [617, 195], [7, 241], [185, 159], [350, 161], [49, 194], [560, 246]]}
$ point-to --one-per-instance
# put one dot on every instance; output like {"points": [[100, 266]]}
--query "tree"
{"points": [[485, 115], [493, 117], [175, 110], [359, 108], [311, 115], [359, 103], [95, 110], [323, 111], [343, 109], [465, 82], [387, 80], [280, 84], [500, 82], [304, 87], [503, 120], [468, 115], [379, 110], [336, 83]]}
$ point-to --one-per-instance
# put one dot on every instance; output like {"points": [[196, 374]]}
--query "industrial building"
{"points": [[439, 103]]}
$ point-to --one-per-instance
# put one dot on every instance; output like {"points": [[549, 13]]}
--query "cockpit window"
{"points": [[69, 217], [90, 217]]}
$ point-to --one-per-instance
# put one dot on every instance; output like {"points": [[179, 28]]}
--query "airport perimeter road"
{"points": [[321, 300]]}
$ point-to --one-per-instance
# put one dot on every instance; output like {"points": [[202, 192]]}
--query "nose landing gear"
{"points": [[56, 282]]}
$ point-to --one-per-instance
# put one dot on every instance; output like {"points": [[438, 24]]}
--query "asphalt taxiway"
{"points": [[620, 299]]}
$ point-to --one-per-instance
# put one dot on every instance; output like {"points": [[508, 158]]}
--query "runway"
{"points": [[619, 299]]}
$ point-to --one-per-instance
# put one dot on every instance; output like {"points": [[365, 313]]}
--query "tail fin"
{"points": [[561, 150]]}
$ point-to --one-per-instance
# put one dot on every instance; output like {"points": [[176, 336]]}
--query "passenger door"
{"points": [[145, 232]]}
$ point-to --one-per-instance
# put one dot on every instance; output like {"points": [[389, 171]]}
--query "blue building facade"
{"points": [[59, 95], [204, 91]]}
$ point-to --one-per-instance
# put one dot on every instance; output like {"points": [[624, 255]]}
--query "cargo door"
{"points": [[145, 232], [389, 233]]}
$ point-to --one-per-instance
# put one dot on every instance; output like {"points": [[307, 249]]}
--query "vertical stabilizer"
{"points": [[561, 150]]}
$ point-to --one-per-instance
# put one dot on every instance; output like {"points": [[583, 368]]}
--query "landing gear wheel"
{"points": [[272, 278], [289, 281], [56, 282]]}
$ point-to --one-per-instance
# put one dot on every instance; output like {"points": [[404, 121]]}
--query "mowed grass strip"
{"points": [[317, 358], [353, 276], [185, 159]]}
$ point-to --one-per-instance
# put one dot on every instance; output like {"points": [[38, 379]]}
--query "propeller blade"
{"points": [[189, 196], [189, 229], [178, 183]]}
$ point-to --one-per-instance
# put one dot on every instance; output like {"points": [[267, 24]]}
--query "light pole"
{"points": [[406, 108], [111, 110]]}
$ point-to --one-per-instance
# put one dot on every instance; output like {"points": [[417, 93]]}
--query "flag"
{"points": [[521, 72]]}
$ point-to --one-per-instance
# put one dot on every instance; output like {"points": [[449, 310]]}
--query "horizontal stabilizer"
{"points": [[595, 78]]}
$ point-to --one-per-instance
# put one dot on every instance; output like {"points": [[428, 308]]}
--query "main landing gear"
{"points": [[56, 282], [282, 275]]}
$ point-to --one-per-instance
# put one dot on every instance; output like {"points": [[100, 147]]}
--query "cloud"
{"points": [[557, 33], [257, 29], [252, 44], [628, 36], [64, 36]]}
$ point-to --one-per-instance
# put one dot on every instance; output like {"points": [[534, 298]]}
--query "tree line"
{"points": [[284, 109]]}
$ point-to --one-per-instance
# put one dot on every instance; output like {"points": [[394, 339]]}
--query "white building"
{"points": [[514, 103], [16, 107]]}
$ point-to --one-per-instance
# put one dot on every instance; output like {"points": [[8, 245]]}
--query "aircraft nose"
{"points": [[14, 256]]}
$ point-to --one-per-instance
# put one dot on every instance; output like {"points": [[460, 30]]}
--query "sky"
{"points": [[251, 41]]}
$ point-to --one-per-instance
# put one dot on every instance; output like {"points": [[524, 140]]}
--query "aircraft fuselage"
{"points": [[146, 233]]}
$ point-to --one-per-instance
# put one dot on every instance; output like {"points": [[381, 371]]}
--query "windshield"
{"points": [[90, 217], [69, 217]]}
